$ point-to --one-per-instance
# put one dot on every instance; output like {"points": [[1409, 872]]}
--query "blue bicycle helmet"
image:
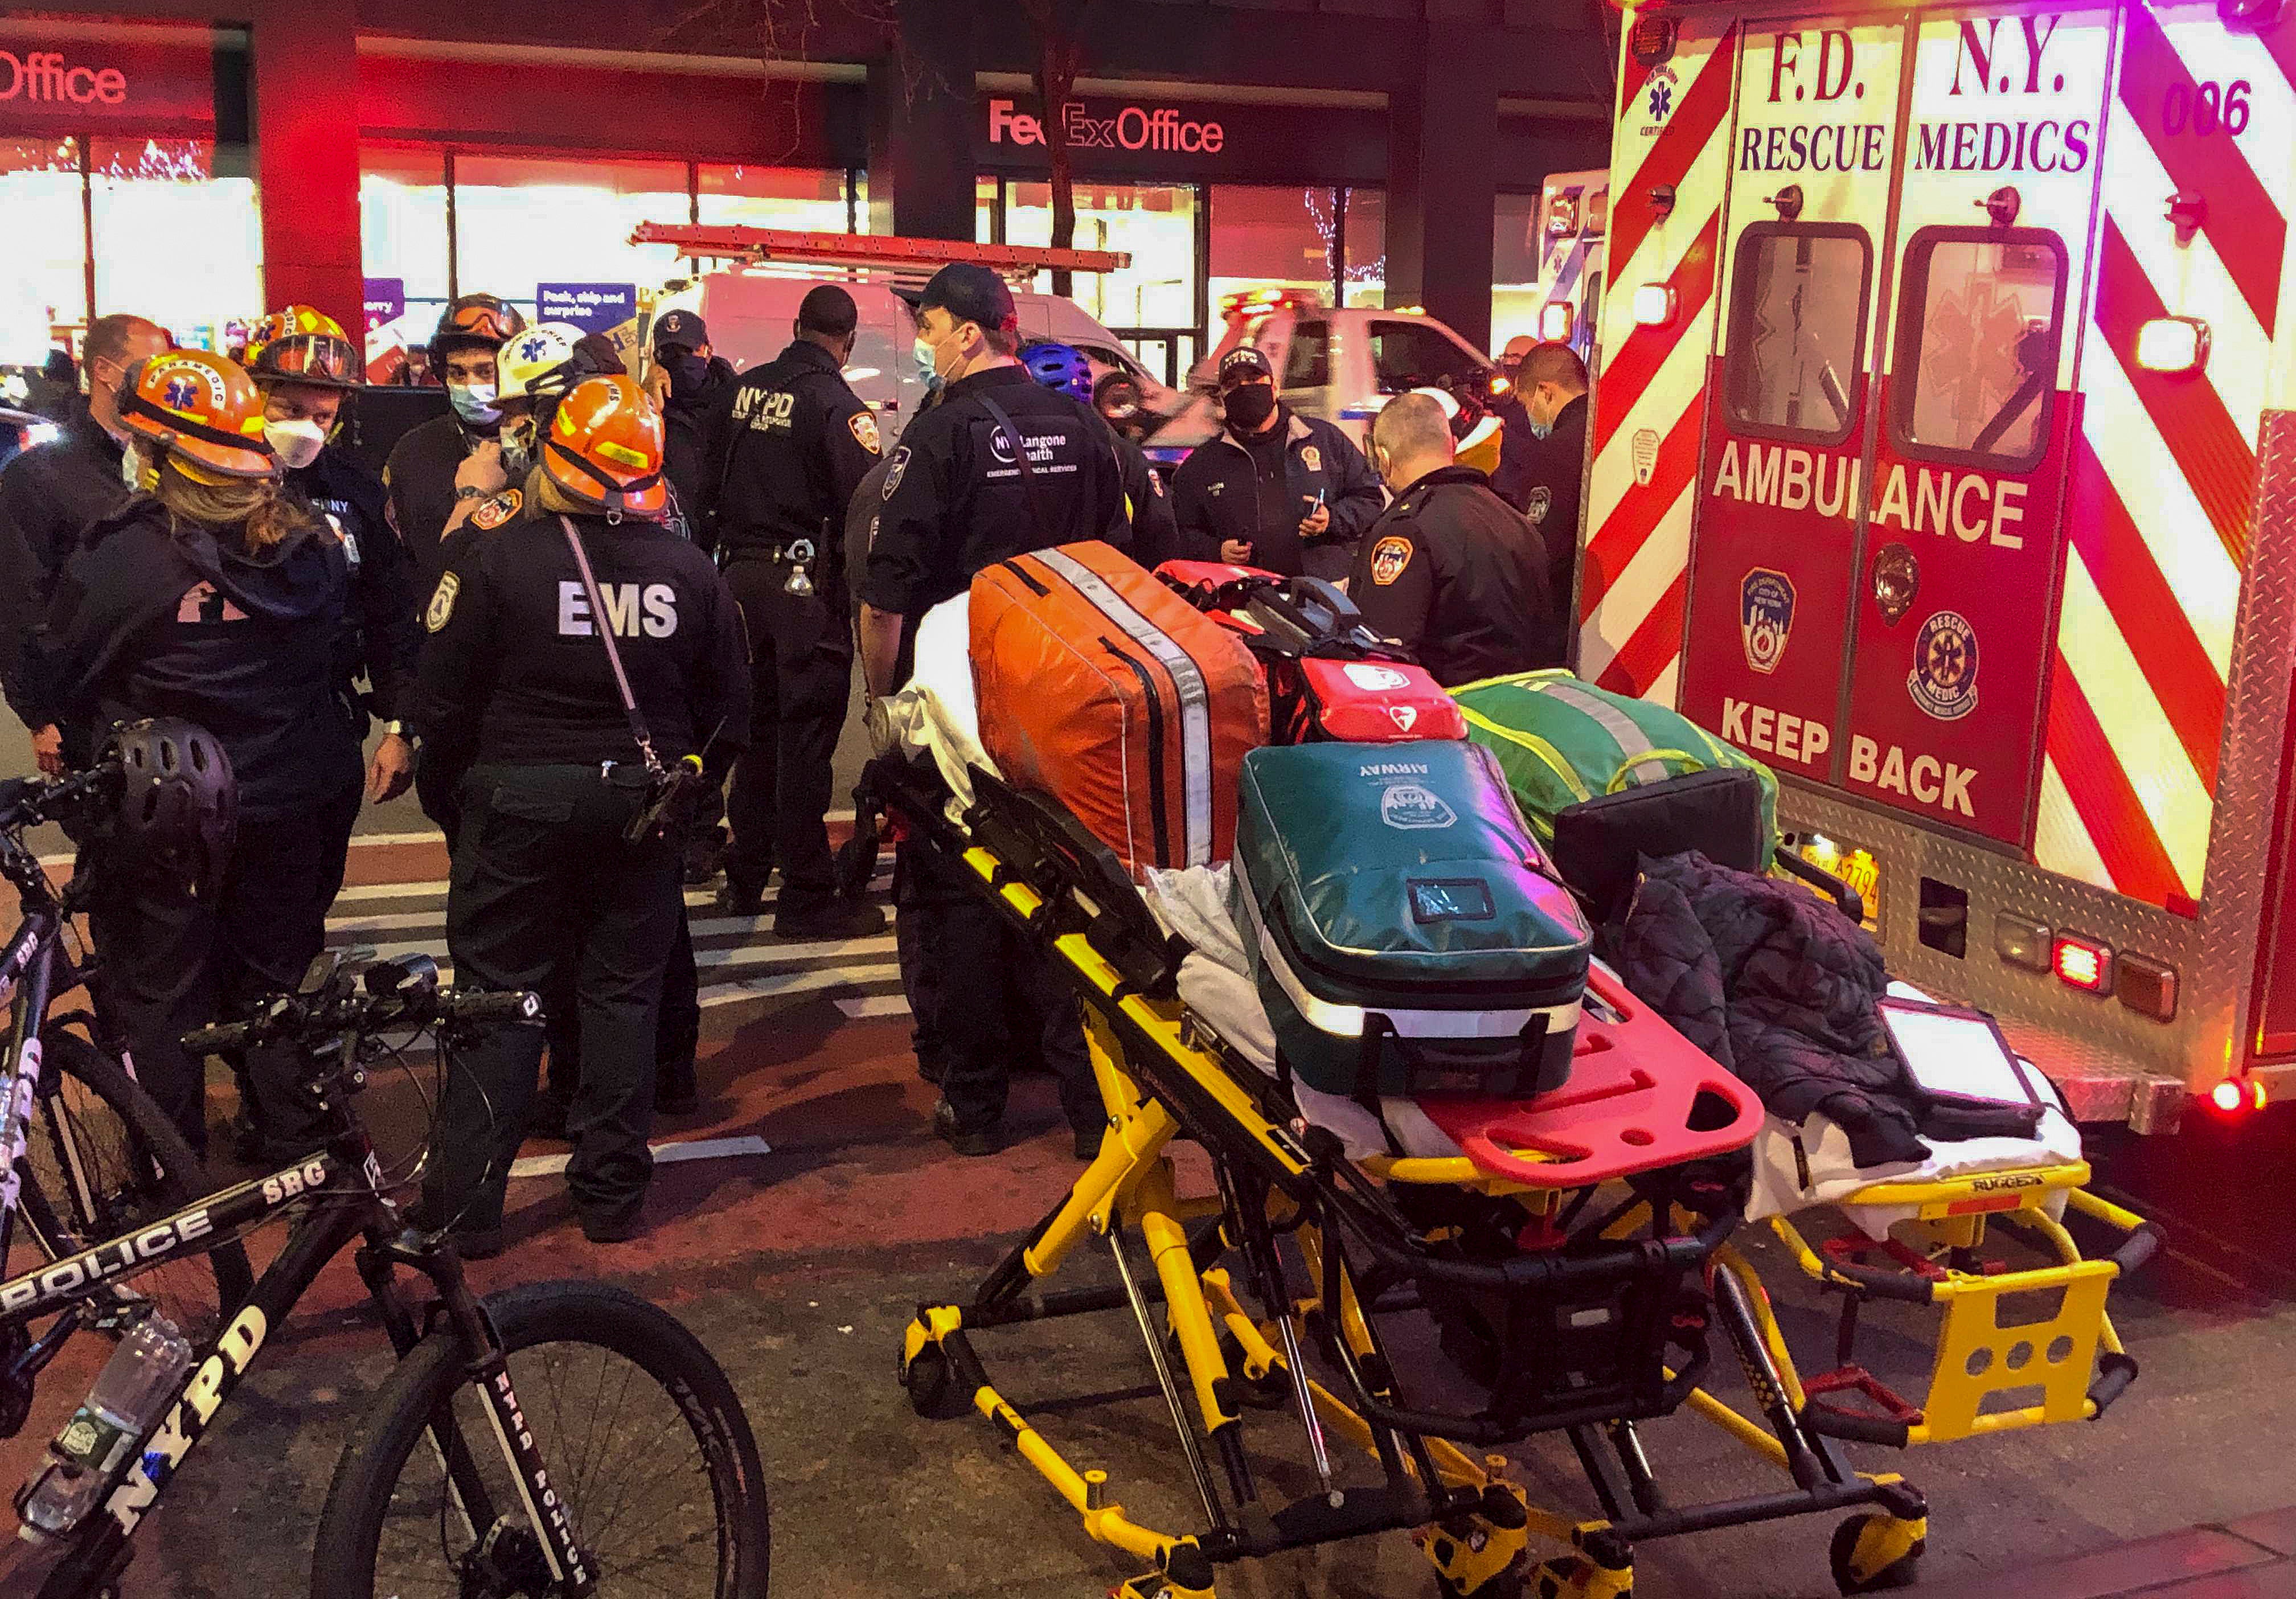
{"points": [[1060, 366]]}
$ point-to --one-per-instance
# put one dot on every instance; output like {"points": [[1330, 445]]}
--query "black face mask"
{"points": [[1249, 406], [687, 374]]}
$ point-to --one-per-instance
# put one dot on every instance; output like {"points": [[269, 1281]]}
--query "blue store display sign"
{"points": [[386, 300], [594, 307]]}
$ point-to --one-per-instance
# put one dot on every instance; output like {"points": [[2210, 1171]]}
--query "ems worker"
{"points": [[454, 456], [1286, 493], [306, 370], [954, 501], [48, 497], [798, 442], [1155, 539], [1448, 570], [520, 706], [213, 597], [1553, 384], [692, 385]]}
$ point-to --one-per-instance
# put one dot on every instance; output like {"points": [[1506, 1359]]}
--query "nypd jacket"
{"points": [[1451, 571], [797, 443], [1216, 497], [155, 617], [513, 672], [954, 500], [379, 631], [49, 496]]}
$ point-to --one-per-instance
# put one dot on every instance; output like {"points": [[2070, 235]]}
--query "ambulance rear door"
{"points": [[1787, 425], [1958, 576]]}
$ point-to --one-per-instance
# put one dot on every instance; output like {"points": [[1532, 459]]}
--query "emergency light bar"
{"points": [[872, 249], [1654, 305]]}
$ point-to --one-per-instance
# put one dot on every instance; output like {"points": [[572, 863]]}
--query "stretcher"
{"points": [[1576, 1254]]}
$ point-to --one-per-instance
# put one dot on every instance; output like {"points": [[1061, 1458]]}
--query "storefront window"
{"points": [[1366, 231], [799, 199], [521, 220], [174, 240], [1270, 237], [43, 271], [1156, 223], [1516, 292], [403, 238]]}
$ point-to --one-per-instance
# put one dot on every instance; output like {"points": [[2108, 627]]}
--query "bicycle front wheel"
{"points": [[647, 1449]]}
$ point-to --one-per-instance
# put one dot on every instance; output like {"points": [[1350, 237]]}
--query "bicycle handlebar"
{"points": [[27, 801], [288, 1018]]}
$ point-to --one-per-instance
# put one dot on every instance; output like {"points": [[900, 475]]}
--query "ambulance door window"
{"points": [[1977, 341], [1798, 331], [1413, 355], [1308, 364]]}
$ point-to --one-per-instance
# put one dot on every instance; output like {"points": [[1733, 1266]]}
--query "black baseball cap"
{"points": [[970, 293], [681, 328], [1244, 364]]}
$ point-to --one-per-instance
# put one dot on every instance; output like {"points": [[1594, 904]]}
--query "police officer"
{"points": [[955, 501], [692, 385], [455, 457], [798, 444], [215, 597], [1273, 489], [518, 701], [1448, 570], [1552, 383], [1155, 539], [48, 497]]}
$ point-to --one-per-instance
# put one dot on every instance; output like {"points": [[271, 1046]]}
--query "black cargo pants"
{"points": [[801, 680], [539, 847]]}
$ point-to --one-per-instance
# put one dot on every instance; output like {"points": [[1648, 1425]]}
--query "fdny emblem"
{"points": [[1944, 679], [864, 424], [1388, 557], [893, 474], [442, 602], [1311, 458], [494, 513], [1410, 808], [1766, 613], [1535, 507]]}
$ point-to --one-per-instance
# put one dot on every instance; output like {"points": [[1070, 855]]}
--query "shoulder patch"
{"points": [[1311, 458], [1388, 557], [864, 423], [900, 465], [442, 602], [1156, 482], [494, 513]]}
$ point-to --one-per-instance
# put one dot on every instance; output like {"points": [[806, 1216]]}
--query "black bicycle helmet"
{"points": [[178, 811]]}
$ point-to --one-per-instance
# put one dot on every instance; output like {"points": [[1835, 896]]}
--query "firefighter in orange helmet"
{"points": [[214, 596], [544, 773]]}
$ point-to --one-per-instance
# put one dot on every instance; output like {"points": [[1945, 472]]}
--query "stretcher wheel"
{"points": [[1507, 1585], [931, 1392], [1879, 1534]]}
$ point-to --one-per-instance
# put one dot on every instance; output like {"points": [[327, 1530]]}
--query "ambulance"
{"points": [[1574, 211], [1942, 455]]}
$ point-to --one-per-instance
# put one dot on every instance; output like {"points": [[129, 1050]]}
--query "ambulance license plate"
{"points": [[1854, 866]]}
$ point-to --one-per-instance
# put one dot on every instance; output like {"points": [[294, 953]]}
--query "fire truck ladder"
{"points": [[916, 257]]}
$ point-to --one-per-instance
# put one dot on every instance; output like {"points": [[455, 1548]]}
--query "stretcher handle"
{"points": [[1855, 1428], [1883, 1284], [1852, 903], [2114, 1374], [1558, 1271], [2136, 1248]]}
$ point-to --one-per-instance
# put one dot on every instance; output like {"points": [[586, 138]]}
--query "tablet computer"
{"points": [[1953, 1050]]}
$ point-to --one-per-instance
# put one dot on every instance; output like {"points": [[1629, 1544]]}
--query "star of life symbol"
{"points": [[1970, 354], [1662, 100]]}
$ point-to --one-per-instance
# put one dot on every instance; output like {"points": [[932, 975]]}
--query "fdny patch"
{"points": [[900, 465], [1766, 613], [864, 424], [1311, 458], [1388, 557], [1944, 679], [201, 604], [442, 602], [494, 513], [1535, 508]]}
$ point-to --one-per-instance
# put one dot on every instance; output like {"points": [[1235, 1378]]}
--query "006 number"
{"points": [[2207, 107]]}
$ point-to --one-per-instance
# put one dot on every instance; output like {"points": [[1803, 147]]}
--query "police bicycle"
{"points": [[560, 1438], [97, 1154]]}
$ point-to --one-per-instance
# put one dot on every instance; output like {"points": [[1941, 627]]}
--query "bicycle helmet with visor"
{"points": [[178, 812], [1061, 367]]}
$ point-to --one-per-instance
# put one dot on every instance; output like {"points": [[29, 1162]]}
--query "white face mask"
{"points": [[297, 443], [131, 470]]}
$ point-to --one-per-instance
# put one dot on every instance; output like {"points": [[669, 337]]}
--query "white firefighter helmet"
{"points": [[537, 363], [1475, 434]]}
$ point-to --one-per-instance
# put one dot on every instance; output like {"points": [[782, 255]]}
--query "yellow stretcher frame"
{"points": [[1478, 1525]]}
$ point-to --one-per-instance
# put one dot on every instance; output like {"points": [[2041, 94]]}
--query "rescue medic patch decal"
{"points": [[1311, 458], [1944, 678], [442, 602], [1766, 612], [1388, 557], [494, 513], [893, 476], [1535, 507], [864, 424]]}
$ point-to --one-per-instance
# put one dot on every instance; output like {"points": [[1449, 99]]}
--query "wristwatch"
{"points": [[397, 728], [464, 491]]}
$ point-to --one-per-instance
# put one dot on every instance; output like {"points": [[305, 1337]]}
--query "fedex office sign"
{"points": [[41, 74], [1134, 128]]}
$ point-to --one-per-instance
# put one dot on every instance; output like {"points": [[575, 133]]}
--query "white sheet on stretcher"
{"points": [[936, 715]]}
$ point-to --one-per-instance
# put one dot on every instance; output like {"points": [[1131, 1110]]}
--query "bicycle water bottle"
{"points": [[142, 1375]]}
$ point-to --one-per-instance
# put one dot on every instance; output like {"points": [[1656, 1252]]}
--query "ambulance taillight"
{"points": [[2234, 1095], [2082, 964], [2172, 344], [1655, 304], [1555, 322]]}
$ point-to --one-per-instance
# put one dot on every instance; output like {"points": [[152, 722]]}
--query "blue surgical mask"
{"points": [[1540, 429], [474, 403]]}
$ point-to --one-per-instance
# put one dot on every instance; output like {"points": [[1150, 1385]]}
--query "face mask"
{"points": [[295, 443], [1538, 428], [518, 448], [474, 403], [687, 374], [1249, 406], [131, 470]]}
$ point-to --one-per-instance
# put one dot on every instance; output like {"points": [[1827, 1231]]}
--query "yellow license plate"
{"points": [[1853, 865]]}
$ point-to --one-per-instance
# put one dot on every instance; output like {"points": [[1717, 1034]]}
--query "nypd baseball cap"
{"points": [[969, 293], [1243, 365], [681, 328]]}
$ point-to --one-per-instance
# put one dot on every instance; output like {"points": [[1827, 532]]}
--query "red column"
{"points": [[307, 155]]}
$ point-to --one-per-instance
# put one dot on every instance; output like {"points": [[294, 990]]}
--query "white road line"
{"points": [[875, 1005], [698, 1149], [798, 982]]}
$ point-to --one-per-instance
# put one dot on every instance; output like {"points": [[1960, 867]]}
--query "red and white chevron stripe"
{"points": [[1672, 129], [2164, 470]]}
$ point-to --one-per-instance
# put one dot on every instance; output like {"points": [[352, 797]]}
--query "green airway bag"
{"points": [[1407, 933]]}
